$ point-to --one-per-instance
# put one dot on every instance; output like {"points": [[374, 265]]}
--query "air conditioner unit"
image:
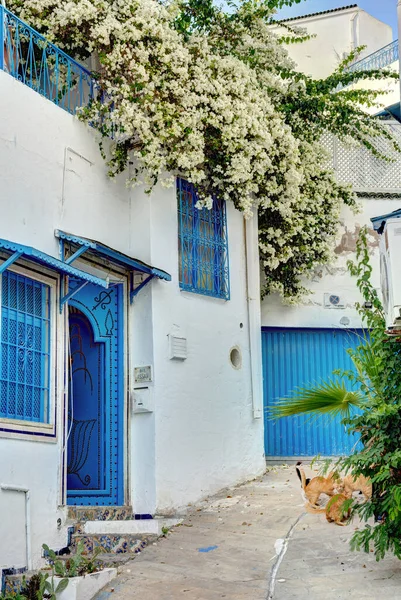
{"points": [[390, 272]]}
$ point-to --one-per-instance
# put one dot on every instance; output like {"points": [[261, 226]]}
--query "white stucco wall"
{"points": [[333, 279], [373, 33], [389, 87], [336, 34], [201, 434], [205, 431], [51, 176]]}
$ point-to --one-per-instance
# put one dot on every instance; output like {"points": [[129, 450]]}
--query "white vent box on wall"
{"points": [[334, 301], [177, 347]]}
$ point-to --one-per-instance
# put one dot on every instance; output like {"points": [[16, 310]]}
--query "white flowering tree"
{"points": [[189, 88]]}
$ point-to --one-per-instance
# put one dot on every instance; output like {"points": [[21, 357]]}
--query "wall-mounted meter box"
{"points": [[142, 400]]}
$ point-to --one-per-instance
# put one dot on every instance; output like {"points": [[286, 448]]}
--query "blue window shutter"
{"points": [[202, 244], [24, 348]]}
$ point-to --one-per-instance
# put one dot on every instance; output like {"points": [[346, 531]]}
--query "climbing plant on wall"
{"points": [[188, 87]]}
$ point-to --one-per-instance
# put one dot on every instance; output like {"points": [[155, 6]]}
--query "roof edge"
{"points": [[316, 14]]}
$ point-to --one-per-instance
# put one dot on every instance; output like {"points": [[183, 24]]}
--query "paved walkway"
{"points": [[255, 542]]}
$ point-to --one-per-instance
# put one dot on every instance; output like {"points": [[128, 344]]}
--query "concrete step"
{"points": [[156, 527], [108, 559], [115, 529]]}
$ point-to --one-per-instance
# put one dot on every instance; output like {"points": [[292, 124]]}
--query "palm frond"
{"points": [[331, 397]]}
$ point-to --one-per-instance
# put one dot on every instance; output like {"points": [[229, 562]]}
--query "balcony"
{"points": [[377, 60], [28, 57]]}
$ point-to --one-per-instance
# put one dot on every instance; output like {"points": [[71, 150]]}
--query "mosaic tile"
{"points": [[79, 527], [12, 586], [112, 544], [87, 541], [13, 583], [100, 513]]}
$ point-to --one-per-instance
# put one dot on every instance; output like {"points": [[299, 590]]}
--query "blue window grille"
{"points": [[202, 244], [24, 348], [27, 56]]}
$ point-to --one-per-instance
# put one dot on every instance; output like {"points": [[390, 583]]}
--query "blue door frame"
{"points": [[298, 358], [95, 467]]}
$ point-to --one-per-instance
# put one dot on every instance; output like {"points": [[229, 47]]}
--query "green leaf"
{"points": [[62, 585], [59, 568], [98, 550], [331, 398], [51, 554], [80, 548]]}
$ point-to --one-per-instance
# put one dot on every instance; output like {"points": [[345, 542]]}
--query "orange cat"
{"points": [[360, 483], [316, 486], [335, 510]]}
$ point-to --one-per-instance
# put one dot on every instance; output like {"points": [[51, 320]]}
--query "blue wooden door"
{"points": [[298, 358], [96, 397]]}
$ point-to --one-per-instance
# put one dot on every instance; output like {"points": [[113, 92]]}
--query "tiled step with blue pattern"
{"points": [[113, 544], [12, 584], [100, 513]]}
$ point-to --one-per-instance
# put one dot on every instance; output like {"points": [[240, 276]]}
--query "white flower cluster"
{"points": [[199, 107], [297, 241]]}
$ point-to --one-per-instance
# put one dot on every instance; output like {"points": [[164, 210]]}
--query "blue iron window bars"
{"points": [[202, 244], [24, 348]]}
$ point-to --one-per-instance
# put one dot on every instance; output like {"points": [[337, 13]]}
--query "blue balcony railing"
{"points": [[26, 55], [377, 60]]}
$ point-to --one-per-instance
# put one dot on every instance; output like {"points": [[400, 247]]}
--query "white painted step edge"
{"points": [[131, 527]]}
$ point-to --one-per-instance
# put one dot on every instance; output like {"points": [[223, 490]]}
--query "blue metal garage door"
{"points": [[297, 358]]}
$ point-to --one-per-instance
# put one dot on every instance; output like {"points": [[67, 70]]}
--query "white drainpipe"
{"points": [[399, 35], [354, 23], [253, 309], [22, 490]]}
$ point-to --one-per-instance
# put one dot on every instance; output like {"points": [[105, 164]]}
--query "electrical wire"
{"points": [[70, 388]]}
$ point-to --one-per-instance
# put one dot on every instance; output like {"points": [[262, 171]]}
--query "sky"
{"points": [[385, 10]]}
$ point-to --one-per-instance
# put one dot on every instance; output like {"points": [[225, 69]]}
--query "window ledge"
{"points": [[27, 430], [203, 294]]}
